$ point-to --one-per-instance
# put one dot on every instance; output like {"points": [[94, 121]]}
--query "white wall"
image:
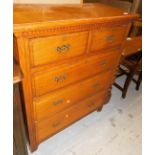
{"points": [[49, 1]]}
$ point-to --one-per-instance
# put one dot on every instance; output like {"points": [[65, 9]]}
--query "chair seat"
{"points": [[130, 66]]}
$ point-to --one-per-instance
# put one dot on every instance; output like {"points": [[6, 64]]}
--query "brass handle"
{"points": [[66, 116], [60, 101], [63, 48], [91, 105], [103, 62], [60, 78], [56, 124], [110, 38], [95, 85]]}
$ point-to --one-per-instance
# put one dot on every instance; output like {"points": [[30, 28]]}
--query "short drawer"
{"points": [[61, 76], [107, 37], [52, 103], [55, 48], [56, 123]]}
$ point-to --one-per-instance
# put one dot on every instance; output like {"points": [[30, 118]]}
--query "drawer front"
{"points": [[54, 48], [50, 104], [56, 123], [61, 76], [107, 37]]}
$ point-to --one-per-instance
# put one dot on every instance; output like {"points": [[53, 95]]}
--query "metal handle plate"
{"points": [[95, 85], [110, 38], [63, 48], [60, 78], [56, 124], [103, 62], [60, 101], [91, 105]]}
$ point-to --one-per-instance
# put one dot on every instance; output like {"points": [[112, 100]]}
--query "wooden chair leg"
{"points": [[139, 81], [127, 82]]}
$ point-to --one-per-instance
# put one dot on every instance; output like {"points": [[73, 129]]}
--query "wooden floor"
{"points": [[116, 130]]}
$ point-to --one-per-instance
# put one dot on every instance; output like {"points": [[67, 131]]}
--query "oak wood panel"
{"points": [[63, 119], [107, 37], [59, 76], [58, 100], [56, 48]]}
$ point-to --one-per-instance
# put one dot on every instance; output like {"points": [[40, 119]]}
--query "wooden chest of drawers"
{"points": [[69, 56]]}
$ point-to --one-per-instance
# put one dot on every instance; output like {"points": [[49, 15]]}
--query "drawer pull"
{"points": [[92, 105], [103, 62], [66, 115], [58, 102], [56, 124], [110, 38], [60, 78], [68, 101], [63, 48], [95, 85]]}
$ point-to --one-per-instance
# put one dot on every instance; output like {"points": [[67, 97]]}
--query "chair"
{"points": [[124, 5], [127, 5], [131, 61]]}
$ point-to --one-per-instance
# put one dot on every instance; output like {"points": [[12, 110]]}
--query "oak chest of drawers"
{"points": [[69, 56]]}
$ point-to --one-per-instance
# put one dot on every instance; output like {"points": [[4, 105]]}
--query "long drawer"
{"points": [[52, 103], [60, 76], [61, 120], [107, 37], [55, 48]]}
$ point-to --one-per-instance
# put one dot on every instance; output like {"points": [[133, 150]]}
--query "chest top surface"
{"points": [[34, 16]]}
